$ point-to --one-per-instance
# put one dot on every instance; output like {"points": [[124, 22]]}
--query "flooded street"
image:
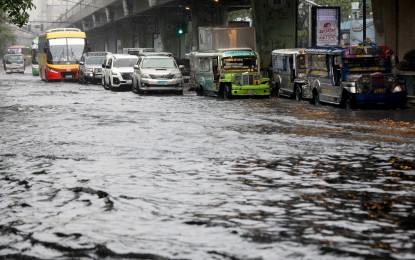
{"points": [[87, 173]]}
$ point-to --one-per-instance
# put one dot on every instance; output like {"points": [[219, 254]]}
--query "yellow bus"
{"points": [[59, 53]]}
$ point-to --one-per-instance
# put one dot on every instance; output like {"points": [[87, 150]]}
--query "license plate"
{"points": [[68, 76], [380, 91], [250, 92], [160, 82], [129, 81]]}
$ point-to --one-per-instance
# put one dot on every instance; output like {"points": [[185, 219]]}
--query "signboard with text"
{"points": [[326, 25]]}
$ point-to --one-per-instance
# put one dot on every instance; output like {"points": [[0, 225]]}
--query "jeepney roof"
{"points": [[235, 49], [204, 53], [329, 49], [238, 52], [287, 51]]}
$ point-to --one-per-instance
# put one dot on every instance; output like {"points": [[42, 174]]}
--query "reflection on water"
{"points": [[87, 173]]}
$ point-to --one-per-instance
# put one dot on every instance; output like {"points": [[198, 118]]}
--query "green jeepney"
{"points": [[228, 73]]}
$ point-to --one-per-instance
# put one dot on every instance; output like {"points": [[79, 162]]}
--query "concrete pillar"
{"points": [[394, 20], [94, 20], [125, 7], [83, 25], [275, 25], [108, 14]]}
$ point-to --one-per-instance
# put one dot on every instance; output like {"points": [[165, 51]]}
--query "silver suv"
{"points": [[118, 70], [157, 74], [90, 67]]}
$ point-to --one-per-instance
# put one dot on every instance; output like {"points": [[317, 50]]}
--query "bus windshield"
{"points": [[240, 63], [65, 50]]}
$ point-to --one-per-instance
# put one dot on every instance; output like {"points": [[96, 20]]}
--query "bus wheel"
{"points": [[298, 94], [227, 94]]}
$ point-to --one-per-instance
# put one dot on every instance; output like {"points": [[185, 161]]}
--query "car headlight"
{"points": [[89, 70], [362, 88], [398, 88], [238, 79], [114, 73], [145, 76], [365, 80], [178, 76]]}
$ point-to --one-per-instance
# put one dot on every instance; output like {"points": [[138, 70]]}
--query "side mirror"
{"points": [[81, 63], [135, 66], [103, 66]]}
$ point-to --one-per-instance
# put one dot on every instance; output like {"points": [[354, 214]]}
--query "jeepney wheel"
{"points": [[316, 98], [227, 94], [273, 92], [298, 93], [134, 87], [110, 86], [200, 91]]}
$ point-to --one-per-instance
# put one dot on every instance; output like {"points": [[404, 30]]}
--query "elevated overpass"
{"points": [[115, 24]]}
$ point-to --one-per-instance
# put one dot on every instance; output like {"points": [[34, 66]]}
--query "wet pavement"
{"points": [[86, 173]]}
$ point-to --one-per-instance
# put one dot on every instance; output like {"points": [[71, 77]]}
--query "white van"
{"points": [[14, 63]]}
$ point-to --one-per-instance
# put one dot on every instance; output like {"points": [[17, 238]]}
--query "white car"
{"points": [[118, 71]]}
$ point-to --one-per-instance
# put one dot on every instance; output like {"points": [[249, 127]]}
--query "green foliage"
{"points": [[240, 14], [7, 38], [345, 7], [16, 11], [408, 62]]}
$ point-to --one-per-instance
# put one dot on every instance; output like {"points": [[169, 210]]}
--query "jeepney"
{"points": [[287, 65], [358, 75], [228, 73]]}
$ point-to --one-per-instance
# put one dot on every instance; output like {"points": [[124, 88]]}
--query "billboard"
{"points": [[326, 25]]}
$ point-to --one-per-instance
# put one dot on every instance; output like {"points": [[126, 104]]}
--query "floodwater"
{"points": [[86, 173]]}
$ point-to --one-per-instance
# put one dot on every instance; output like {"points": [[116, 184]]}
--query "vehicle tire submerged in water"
{"points": [[227, 92], [316, 98], [199, 91], [298, 93], [347, 102]]}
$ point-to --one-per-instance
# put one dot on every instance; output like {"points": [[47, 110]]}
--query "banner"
{"points": [[326, 25]]}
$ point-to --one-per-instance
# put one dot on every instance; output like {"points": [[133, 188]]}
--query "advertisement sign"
{"points": [[157, 43], [326, 25]]}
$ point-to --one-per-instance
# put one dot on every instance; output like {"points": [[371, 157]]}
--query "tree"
{"points": [[6, 37], [15, 11], [303, 15]]}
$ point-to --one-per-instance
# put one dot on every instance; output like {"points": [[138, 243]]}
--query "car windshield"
{"points": [[94, 60], [159, 63], [125, 62]]}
